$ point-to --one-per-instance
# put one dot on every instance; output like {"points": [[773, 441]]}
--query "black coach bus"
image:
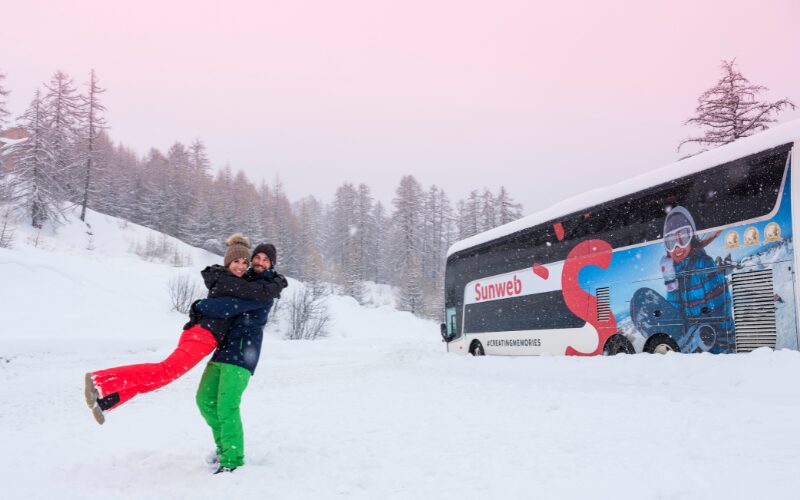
{"points": [[694, 257]]}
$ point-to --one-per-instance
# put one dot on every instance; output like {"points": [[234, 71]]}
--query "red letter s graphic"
{"points": [[582, 304]]}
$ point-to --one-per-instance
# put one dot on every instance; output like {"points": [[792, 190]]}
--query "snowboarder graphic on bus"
{"points": [[695, 313]]}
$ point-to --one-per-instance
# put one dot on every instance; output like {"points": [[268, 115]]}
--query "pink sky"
{"points": [[549, 100]]}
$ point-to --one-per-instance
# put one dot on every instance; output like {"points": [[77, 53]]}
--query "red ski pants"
{"points": [[127, 381]]}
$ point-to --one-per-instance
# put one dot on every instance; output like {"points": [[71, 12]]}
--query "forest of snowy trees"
{"points": [[68, 160]]}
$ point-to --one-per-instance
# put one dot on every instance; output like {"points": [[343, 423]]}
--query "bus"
{"points": [[696, 256]]}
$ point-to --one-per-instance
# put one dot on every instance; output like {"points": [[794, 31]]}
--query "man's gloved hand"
{"points": [[281, 280]]}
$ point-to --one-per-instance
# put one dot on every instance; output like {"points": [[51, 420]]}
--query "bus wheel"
{"points": [[617, 344], [477, 349], [661, 344]]}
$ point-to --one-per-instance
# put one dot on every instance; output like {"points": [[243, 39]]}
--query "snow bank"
{"points": [[377, 410]]}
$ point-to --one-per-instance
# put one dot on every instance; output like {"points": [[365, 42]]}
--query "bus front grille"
{"points": [[754, 310]]}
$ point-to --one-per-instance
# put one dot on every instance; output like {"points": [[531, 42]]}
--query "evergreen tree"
{"points": [[197, 226], [62, 112], [469, 216], [93, 123], [380, 266], [438, 236], [120, 196], [309, 217], [35, 184], [364, 229], [181, 188], [4, 112], [199, 165], [507, 209], [265, 202], [487, 211], [408, 242], [245, 200], [731, 109], [411, 295], [352, 283], [222, 209], [408, 204], [284, 228], [342, 230], [152, 187]]}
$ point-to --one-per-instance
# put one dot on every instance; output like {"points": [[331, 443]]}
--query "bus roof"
{"points": [[776, 136]]}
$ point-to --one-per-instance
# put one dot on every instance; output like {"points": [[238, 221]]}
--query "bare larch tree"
{"points": [[731, 109]]}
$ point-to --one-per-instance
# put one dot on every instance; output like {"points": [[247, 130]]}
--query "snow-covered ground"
{"points": [[377, 410]]}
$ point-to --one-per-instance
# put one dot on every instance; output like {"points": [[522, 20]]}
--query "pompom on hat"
{"points": [[238, 248]]}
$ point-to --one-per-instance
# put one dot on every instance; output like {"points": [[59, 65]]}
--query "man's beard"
{"points": [[259, 269]]}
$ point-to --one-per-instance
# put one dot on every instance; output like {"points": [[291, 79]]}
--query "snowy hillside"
{"points": [[377, 410]]}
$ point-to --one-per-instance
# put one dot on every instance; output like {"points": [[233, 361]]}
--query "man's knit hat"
{"points": [[238, 248], [269, 250]]}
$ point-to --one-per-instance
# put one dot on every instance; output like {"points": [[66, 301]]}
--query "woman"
{"points": [[109, 388]]}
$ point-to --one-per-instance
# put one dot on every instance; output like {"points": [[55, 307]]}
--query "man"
{"points": [[227, 374]]}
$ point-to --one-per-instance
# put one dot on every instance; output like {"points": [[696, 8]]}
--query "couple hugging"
{"points": [[231, 320]]}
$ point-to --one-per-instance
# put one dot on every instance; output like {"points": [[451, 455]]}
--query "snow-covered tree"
{"points": [[341, 229], [507, 210], [35, 184], [4, 112], [469, 215], [309, 213], [408, 205], [487, 211], [407, 242], [198, 221], [118, 196], [90, 154], [411, 287], [732, 109], [283, 226], [365, 228], [438, 236], [199, 165], [62, 112], [437, 226], [379, 266]]}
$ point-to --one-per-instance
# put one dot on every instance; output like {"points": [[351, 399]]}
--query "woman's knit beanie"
{"points": [[238, 248]]}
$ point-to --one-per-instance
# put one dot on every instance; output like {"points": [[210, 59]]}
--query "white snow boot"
{"points": [[90, 391], [92, 395]]}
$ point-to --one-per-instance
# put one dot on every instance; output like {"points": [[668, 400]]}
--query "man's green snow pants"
{"points": [[218, 398]]}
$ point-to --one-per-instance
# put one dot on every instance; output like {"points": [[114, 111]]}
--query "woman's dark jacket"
{"points": [[245, 311], [231, 296]]}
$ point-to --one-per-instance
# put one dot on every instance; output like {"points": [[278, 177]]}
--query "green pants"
{"points": [[218, 398]]}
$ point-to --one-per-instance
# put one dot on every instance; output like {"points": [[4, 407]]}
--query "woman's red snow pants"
{"points": [[195, 344]]}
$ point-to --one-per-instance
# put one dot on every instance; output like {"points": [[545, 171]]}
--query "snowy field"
{"points": [[378, 410]]}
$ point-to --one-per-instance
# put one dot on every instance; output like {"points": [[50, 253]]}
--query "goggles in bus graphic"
{"points": [[680, 237]]}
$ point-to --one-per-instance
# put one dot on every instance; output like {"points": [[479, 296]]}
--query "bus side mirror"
{"points": [[445, 335]]}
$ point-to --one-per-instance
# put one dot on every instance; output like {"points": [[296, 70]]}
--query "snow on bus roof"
{"points": [[777, 136]]}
